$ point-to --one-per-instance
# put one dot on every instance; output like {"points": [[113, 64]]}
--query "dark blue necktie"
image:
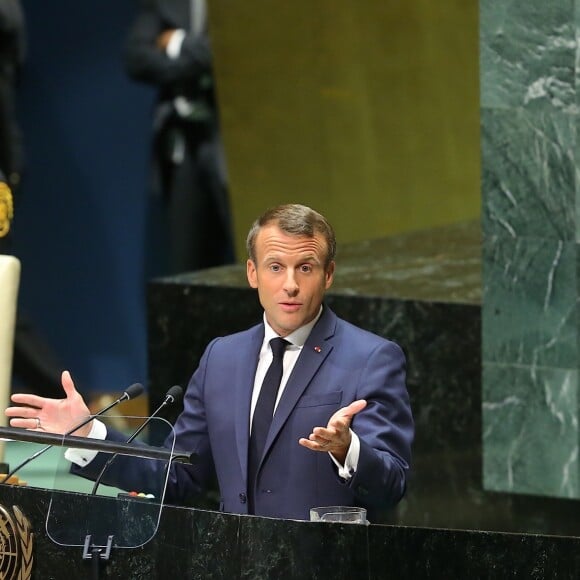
{"points": [[263, 413]]}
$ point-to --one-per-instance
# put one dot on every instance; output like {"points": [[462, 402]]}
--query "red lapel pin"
{"points": [[317, 349]]}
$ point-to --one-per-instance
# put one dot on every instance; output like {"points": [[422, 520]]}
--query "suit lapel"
{"points": [[314, 352], [248, 355]]}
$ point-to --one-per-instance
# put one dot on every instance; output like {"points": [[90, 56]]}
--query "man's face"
{"points": [[290, 276]]}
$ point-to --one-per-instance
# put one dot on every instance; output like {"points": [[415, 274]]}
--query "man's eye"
{"points": [[275, 267], [306, 268]]}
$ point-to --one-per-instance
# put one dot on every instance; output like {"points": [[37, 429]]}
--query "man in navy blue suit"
{"points": [[341, 429]]}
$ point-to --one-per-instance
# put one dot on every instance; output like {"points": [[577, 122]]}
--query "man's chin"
{"points": [[287, 323]]}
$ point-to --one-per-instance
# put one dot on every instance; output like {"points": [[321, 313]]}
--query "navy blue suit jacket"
{"points": [[339, 364]]}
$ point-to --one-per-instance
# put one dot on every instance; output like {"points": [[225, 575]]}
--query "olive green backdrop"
{"points": [[367, 111]]}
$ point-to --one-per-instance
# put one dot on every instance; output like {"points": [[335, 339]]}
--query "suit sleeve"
{"points": [[385, 429], [191, 436]]}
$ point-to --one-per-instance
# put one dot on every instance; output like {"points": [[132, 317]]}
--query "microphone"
{"points": [[130, 392], [174, 394]]}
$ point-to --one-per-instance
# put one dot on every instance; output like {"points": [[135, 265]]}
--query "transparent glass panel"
{"points": [[124, 509]]}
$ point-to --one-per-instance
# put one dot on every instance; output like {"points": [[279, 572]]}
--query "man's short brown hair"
{"points": [[295, 220]]}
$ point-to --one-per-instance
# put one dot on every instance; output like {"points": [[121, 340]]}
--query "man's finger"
{"points": [[68, 384], [21, 412], [346, 413], [315, 445], [18, 422], [354, 408], [27, 399]]}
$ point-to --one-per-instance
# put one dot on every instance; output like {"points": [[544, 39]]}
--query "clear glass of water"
{"points": [[339, 513]]}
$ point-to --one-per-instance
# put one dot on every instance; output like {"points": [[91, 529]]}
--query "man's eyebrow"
{"points": [[311, 258], [306, 257]]}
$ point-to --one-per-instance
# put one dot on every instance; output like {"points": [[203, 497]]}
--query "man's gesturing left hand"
{"points": [[335, 437]]}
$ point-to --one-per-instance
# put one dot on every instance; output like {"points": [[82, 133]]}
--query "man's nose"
{"points": [[290, 284]]}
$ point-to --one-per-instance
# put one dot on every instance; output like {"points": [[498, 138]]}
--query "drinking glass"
{"points": [[339, 513]]}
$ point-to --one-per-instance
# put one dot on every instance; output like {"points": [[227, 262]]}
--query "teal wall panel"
{"points": [[530, 222]]}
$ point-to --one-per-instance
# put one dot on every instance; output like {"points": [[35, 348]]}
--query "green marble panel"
{"points": [[528, 173], [530, 430], [529, 62], [527, 54], [577, 67], [530, 302], [577, 176]]}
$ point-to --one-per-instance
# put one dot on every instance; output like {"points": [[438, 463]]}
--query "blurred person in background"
{"points": [[168, 47]]}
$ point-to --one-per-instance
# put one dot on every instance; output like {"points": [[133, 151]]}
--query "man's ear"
{"points": [[329, 275], [252, 274]]}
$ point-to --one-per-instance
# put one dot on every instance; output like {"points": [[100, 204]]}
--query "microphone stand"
{"points": [[174, 393]]}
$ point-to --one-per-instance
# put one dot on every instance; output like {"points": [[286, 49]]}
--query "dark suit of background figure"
{"points": [[12, 49], [188, 163], [338, 364], [34, 363]]}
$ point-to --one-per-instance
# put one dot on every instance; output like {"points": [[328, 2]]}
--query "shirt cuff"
{"points": [[175, 43], [82, 457], [347, 470]]}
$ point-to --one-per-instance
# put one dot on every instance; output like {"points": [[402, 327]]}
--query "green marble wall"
{"points": [[529, 120]]}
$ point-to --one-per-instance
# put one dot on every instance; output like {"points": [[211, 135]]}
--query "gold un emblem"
{"points": [[16, 540]]}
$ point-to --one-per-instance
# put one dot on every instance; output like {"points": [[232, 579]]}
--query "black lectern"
{"points": [[98, 523], [192, 543]]}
